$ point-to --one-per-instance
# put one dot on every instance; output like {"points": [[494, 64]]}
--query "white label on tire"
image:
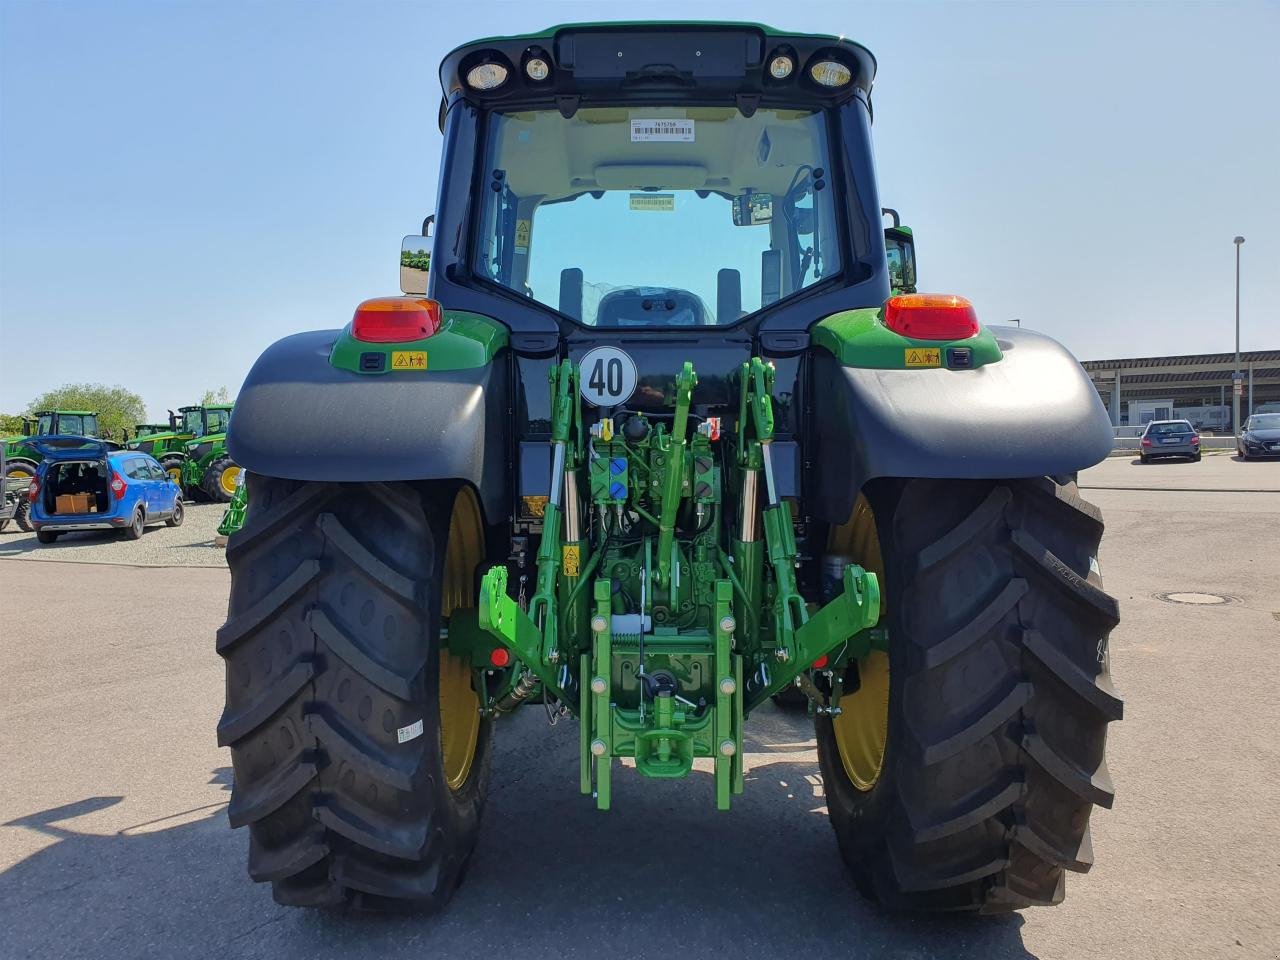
{"points": [[607, 377], [411, 732]]}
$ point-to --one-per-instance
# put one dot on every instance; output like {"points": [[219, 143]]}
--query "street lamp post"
{"points": [[1235, 378]]}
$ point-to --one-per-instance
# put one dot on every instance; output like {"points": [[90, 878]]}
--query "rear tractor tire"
{"points": [[172, 465], [993, 701], [22, 515], [361, 759], [220, 480], [20, 470]]}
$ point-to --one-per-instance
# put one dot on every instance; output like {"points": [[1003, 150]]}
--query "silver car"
{"points": [[1169, 438]]}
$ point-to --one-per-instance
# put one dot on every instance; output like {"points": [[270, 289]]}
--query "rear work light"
{"points": [[117, 484], [931, 316], [396, 319], [830, 73], [487, 76]]}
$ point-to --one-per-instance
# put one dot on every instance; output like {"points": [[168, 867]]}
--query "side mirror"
{"points": [[900, 252], [415, 260], [752, 209]]}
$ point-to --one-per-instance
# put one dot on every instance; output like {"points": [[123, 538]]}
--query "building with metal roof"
{"points": [[1197, 386]]}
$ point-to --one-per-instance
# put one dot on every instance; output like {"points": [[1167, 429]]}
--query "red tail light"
{"points": [[821, 662], [396, 319], [1194, 440], [931, 316], [499, 656], [117, 484], [1146, 442], [33, 490]]}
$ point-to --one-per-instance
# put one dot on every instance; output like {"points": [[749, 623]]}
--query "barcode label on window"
{"points": [[670, 130]]}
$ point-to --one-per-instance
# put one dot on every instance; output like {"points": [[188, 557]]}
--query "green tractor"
{"points": [[192, 450], [22, 459], [209, 468], [661, 434]]}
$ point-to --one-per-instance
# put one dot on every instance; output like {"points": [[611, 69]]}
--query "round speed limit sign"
{"points": [[607, 376]]}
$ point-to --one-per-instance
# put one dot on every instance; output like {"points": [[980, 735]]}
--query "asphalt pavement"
{"points": [[114, 841]]}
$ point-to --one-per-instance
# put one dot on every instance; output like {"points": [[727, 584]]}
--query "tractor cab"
{"points": [[22, 456], [72, 423], [198, 421], [732, 174]]}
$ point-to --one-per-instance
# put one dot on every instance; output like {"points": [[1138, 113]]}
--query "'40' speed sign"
{"points": [[607, 376]]}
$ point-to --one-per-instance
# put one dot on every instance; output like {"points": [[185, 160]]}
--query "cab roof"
{"points": [[696, 57]]}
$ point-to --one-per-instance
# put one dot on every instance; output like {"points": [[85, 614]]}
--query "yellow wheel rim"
{"points": [[459, 704], [862, 727], [18, 474], [228, 480]]}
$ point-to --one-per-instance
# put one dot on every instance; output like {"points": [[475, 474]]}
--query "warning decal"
{"points": [[408, 359], [923, 356], [571, 555], [522, 236]]}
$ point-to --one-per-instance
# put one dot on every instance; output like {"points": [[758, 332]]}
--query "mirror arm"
{"points": [[426, 224]]}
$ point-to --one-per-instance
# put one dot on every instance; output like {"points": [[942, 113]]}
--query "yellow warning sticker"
{"points": [[522, 236], [570, 556], [408, 359], [923, 356]]}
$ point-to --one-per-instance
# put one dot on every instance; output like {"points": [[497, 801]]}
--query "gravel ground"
{"points": [[190, 545]]}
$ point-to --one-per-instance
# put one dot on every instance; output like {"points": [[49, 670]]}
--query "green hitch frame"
{"points": [[676, 468], [647, 635]]}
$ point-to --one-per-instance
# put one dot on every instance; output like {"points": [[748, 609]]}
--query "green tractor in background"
{"points": [[659, 433], [141, 430], [22, 459], [192, 450]]}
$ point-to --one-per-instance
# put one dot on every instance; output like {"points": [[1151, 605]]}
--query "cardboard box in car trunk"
{"points": [[77, 503]]}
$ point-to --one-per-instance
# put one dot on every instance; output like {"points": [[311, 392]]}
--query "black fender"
{"points": [[1033, 413], [300, 418]]}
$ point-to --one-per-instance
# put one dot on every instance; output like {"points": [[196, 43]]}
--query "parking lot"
{"points": [[114, 841]]}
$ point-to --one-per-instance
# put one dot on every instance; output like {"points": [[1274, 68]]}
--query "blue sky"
{"points": [[181, 184]]}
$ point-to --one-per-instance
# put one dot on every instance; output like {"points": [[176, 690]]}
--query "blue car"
{"points": [[82, 484]]}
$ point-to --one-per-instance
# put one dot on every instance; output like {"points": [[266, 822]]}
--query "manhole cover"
{"points": [[1199, 599]]}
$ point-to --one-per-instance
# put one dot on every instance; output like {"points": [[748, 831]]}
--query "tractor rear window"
{"points": [[657, 216]]}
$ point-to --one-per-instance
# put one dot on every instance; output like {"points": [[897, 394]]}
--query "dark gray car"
{"points": [[1170, 438], [1260, 436]]}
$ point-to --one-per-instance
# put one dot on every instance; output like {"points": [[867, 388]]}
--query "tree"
{"points": [[118, 409], [221, 395], [10, 425]]}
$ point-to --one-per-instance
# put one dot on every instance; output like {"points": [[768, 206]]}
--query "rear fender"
{"points": [[1033, 412], [299, 417]]}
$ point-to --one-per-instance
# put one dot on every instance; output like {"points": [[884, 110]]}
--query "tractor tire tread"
{"points": [[329, 670], [1004, 699]]}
